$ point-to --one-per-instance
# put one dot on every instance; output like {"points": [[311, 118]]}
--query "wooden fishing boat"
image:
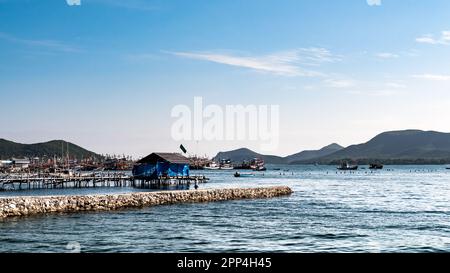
{"points": [[238, 174], [347, 167], [376, 166]]}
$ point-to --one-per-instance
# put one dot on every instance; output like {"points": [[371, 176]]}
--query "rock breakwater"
{"points": [[24, 206]]}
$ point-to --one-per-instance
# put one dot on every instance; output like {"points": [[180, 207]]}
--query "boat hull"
{"points": [[211, 168], [376, 167], [349, 169], [242, 175]]}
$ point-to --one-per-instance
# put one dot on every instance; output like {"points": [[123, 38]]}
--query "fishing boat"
{"points": [[212, 166], [347, 167], [225, 164], [448, 167], [238, 174], [245, 165], [376, 166], [258, 165], [61, 173]]}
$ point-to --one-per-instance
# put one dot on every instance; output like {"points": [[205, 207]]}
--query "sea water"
{"points": [[398, 209]]}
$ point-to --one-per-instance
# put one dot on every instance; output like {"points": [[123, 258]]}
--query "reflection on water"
{"points": [[403, 209]]}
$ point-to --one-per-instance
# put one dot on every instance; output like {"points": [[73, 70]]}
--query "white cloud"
{"points": [[432, 77], [395, 85], [286, 63], [73, 2], [365, 88], [443, 39], [427, 39], [340, 83], [386, 55], [375, 92], [374, 2]]}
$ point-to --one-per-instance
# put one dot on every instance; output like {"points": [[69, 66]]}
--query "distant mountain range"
{"points": [[246, 154], [396, 147], [9, 149], [313, 154], [240, 155]]}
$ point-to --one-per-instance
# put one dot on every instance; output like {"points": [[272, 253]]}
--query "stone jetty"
{"points": [[24, 206]]}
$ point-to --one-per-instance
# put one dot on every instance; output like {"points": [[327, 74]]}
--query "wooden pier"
{"points": [[39, 181]]}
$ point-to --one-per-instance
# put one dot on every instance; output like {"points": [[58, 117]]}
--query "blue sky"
{"points": [[105, 74]]}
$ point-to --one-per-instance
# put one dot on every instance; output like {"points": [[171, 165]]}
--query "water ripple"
{"points": [[388, 211]]}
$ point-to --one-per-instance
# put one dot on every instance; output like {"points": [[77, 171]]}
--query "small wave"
{"points": [[424, 249], [176, 238], [431, 227], [333, 236], [412, 212], [14, 240], [201, 243]]}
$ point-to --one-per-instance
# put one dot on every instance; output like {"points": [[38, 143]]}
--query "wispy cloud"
{"points": [[340, 83], [387, 55], [375, 93], [286, 63], [73, 2], [373, 2], [48, 44], [368, 88], [432, 77], [443, 39], [397, 55], [396, 85]]}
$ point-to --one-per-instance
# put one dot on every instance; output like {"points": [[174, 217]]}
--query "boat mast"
{"points": [[62, 153], [68, 164]]}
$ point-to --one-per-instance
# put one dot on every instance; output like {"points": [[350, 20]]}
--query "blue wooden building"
{"points": [[161, 165]]}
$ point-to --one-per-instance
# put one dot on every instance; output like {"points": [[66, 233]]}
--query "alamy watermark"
{"points": [[259, 123]]}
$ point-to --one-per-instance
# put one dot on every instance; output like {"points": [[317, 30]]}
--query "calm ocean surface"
{"points": [[404, 209]]}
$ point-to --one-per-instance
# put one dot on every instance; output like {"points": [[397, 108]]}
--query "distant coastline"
{"points": [[407, 147]]}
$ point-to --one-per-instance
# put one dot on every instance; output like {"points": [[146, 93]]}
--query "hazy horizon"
{"points": [[192, 153], [106, 74]]}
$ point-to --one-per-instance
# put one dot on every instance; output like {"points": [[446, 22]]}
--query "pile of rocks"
{"points": [[22, 206]]}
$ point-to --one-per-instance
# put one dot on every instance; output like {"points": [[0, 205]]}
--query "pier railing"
{"points": [[55, 181]]}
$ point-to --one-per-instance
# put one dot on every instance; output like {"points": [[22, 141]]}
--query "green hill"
{"points": [[313, 154], [397, 147], [9, 149], [242, 154], [239, 155]]}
